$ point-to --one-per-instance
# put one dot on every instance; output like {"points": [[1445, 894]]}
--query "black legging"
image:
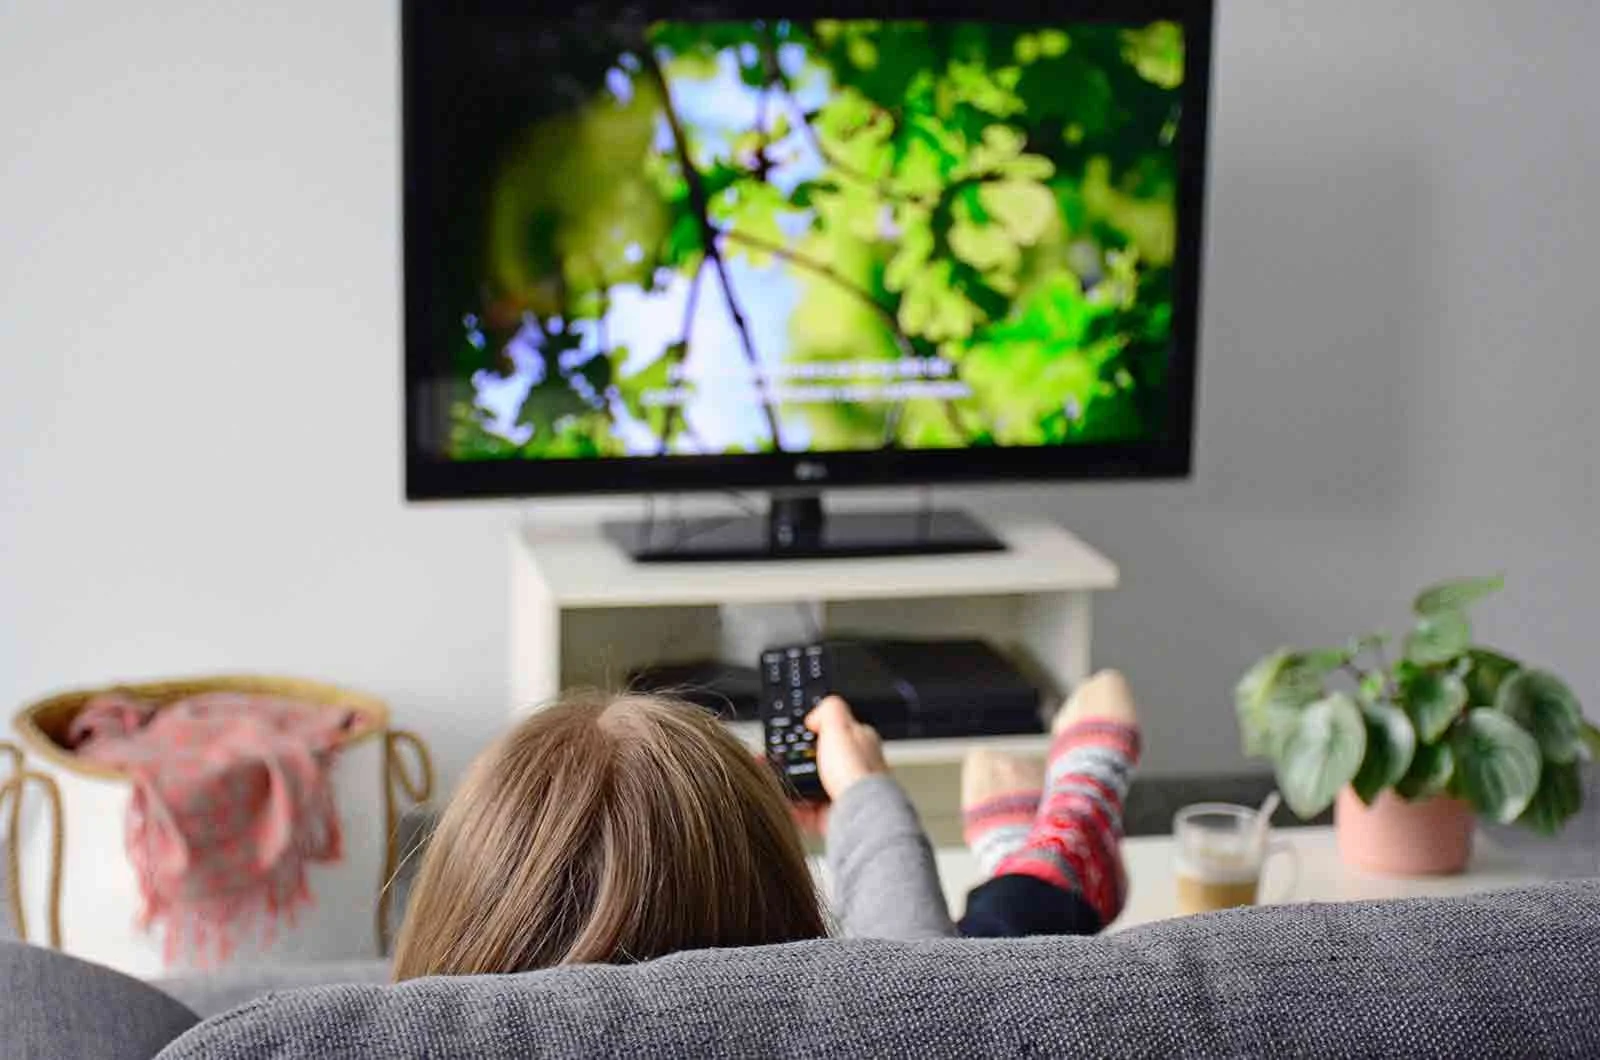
{"points": [[1013, 906]]}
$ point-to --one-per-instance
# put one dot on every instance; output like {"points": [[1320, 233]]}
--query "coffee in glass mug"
{"points": [[1220, 853]]}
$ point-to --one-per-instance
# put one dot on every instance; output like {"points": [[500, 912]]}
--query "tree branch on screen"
{"points": [[891, 321], [678, 354], [882, 187], [701, 205]]}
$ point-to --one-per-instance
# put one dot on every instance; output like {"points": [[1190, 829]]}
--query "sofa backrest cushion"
{"points": [[1511, 974], [54, 1006]]}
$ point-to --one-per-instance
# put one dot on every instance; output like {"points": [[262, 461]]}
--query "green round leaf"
{"points": [[1559, 796], [1488, 671], [1269, 699], [1257, 681], [1252, 703], [1433, 700], [1456, 595], [1542, 704], [1438, 638], [1322, 754], [1497, 764], [1391, 744], [1432, 768]]}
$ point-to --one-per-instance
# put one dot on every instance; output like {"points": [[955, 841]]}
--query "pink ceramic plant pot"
{"points": [[1431, 837]]}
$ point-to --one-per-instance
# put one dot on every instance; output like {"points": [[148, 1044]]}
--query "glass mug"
{"points": [[1220, 853]]}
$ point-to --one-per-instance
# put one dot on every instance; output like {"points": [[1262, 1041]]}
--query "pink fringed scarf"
{"points": [[231, 800]]}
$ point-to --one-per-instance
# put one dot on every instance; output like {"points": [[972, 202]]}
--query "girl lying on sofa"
{"points": [[618, 829]]}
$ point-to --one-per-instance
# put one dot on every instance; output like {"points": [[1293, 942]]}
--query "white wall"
{"points": [[199, 360], [1399, 368], [199, 398]]}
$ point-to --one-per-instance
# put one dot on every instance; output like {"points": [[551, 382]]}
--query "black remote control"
{"points": [[793, 680]]}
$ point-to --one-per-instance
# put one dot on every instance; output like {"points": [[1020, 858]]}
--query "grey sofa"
{"points": [[1515, 974]]}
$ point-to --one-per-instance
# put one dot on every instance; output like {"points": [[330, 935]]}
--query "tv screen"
{"points": [[729, 248]]}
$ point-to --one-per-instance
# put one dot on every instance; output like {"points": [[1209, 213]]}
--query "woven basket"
{"points": [[65, 863]]}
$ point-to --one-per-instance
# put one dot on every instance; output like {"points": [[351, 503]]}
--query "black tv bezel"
{"points": [[429, 477]]}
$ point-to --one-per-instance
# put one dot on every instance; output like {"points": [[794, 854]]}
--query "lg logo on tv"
{"points": [[810, 471]]}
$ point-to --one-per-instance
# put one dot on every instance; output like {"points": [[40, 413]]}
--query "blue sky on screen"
{"points": [[724, 411]]}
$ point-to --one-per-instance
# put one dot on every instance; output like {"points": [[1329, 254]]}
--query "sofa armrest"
{"points": [[52, 1005]]}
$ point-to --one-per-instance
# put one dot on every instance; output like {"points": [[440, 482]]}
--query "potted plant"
{"points": [[1411, 748]]}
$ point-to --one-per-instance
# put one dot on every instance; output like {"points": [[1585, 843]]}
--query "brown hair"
{"points": [[606, 830]]}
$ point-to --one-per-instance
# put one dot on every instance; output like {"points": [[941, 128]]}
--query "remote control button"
{"points": [[793, 653], [799, 768], [775, 738], [778, 722], [797, 697]]}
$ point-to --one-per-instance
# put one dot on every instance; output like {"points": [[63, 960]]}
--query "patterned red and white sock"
{"points": [[998, 828], [1000, 797], [1073, 843]]}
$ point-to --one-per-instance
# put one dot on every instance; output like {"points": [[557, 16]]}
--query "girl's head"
{"points": [[603, 830]]}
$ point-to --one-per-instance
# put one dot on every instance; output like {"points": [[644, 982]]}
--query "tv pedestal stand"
{"points": [[797, 527], [583, 614]]}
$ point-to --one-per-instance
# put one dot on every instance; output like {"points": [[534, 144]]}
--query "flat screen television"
{"points": [[654, 247]]}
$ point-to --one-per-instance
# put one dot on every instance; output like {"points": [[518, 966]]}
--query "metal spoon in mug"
{"points": [[1269, 805]]}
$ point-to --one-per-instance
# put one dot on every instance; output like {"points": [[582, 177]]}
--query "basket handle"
{"points": [[16, 786], [416, 784]]}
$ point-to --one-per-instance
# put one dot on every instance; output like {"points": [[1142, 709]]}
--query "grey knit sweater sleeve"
{"points": [[885, 881]]}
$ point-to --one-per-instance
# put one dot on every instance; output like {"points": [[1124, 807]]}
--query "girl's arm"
{"points": [[885, 882]]}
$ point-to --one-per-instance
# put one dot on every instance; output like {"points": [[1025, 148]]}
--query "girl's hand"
{"points": [[847, 750]]}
